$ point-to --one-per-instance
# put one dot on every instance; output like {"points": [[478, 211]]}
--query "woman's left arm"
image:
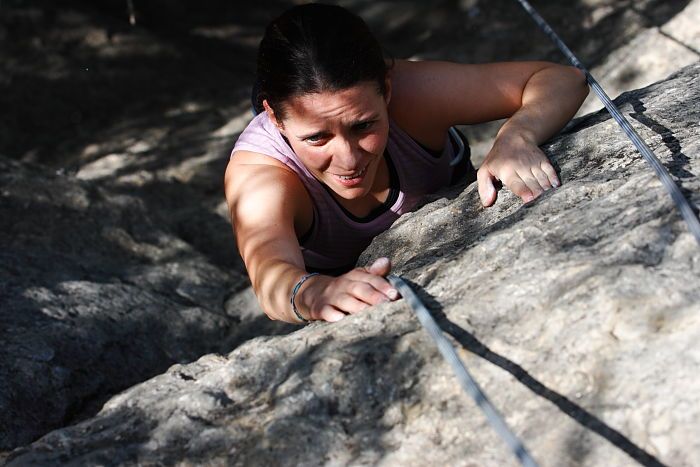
{"points": [[537, 98]]}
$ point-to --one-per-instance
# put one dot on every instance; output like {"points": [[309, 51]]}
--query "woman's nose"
{"points": [[346, 152]]}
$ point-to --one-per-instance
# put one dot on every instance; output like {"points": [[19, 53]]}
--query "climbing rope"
{"points": [[468, 383], [681, 202]]}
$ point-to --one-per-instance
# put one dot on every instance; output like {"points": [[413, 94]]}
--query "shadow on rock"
{"points": [[566, 405], [98, 295], [334, 398]]}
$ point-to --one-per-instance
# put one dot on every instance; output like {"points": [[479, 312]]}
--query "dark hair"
{"points": [[314, 48]]}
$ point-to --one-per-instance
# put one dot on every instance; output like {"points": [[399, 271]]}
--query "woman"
{"points": [[345, 143]]}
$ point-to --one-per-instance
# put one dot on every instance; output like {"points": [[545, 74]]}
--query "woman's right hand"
{"points": [[332, 298]]}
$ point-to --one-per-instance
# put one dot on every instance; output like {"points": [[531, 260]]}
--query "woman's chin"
{"points": [[350, 193]]}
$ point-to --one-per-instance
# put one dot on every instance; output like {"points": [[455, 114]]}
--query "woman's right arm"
{"points": [[269, 207]]}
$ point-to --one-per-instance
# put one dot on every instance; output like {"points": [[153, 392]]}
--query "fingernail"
{"points": [[381, 262], [555, 184], [393, 294]]}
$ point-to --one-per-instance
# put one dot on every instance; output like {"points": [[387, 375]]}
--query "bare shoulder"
{"points": [[262, 192], [430, 96]]}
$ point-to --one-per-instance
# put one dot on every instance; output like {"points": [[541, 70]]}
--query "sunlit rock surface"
{"points": [[650, 56], [578, 314]]}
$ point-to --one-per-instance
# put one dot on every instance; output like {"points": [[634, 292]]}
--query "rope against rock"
{"points": [[682, 203], [468, 383]]}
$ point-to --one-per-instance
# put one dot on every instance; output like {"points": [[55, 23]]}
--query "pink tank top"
{"points": [[337, 238]]}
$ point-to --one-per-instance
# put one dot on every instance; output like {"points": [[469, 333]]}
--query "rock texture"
{"points": [[116, 259], [97, 294], [684, 27], [578, 314], [650, 56]]}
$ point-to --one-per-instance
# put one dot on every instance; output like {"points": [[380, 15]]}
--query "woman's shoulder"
{"points": [[266, 186], [261, 143], [246, 158], [411, 106], [261, 170], [259, 133]]}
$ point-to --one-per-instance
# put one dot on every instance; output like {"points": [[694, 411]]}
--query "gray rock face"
{"points": [[650, 56], [684, 27], [577, 313], [124, 263], [97, 295]]}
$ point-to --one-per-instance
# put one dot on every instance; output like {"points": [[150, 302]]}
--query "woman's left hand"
{"points": [[520, 165]]}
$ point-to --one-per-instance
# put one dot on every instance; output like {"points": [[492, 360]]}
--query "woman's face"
{"points": [[340, 136]]}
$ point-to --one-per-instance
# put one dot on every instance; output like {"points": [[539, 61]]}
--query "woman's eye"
{"points": [[314, 139], [363, 126]]}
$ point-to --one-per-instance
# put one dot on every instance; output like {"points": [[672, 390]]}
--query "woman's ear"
{"points": [[271, 115]]}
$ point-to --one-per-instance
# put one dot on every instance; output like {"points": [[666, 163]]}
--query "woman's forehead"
{"points": [[358, 101]]}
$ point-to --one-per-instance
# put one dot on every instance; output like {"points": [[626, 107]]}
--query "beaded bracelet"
{"points": [[296, 288]]}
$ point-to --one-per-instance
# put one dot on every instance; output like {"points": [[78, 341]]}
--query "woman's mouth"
{"points": [[353, 179]]}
